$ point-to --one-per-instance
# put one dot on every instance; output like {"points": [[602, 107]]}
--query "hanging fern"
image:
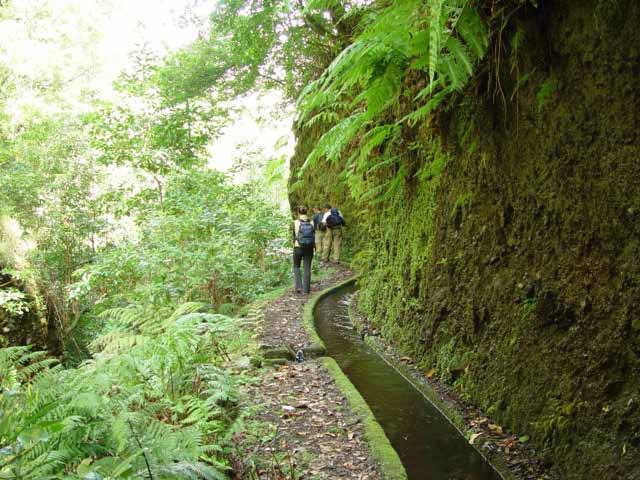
{"points": [[441, 40]]}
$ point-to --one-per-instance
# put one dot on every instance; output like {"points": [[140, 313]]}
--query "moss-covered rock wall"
{"points": [[516, 272]]}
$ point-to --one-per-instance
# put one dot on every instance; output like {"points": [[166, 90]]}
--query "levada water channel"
{"points": [[428, 445]]}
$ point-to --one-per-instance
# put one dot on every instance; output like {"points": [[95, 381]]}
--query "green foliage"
{"points": [[462, 201], [157, 402], [528, 307], [366, 83], [545, 92], [134, 249], [13, 301], [212, 241], [393, 270], [258, 44], [559, 421]]}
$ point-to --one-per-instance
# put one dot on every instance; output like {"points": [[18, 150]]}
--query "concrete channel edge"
{"points": [[317, 348], [381, 449], [446, 409]]}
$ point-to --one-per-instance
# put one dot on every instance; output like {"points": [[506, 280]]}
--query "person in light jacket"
{"points": [[334, 222], [317, 225]]}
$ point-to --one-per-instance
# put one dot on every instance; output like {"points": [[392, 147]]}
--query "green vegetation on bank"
{"points": [[124, 255], [481, 228]]}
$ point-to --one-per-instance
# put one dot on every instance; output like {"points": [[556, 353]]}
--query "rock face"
{"points": [[521, 260], [27, 327]]}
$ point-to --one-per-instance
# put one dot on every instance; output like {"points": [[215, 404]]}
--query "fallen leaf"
{"points": [[473, 437], [431, 373], [509, 442], [495, 428]]}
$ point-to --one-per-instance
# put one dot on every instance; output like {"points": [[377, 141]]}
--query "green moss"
{"points": [[463, 200], [548, 88], [436, 272], [383, 452]]}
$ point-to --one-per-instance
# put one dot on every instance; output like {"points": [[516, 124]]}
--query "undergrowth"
{"points": [[152, 402]]}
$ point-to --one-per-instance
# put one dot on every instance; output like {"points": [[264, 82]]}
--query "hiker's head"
{"points": [[302, 210], [327, 207]]}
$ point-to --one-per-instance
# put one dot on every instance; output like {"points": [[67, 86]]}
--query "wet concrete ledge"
{"points": [[317, 347], [381, 449], [447, 409]]}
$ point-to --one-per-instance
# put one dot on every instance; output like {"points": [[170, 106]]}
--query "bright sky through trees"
{"points": [[69, 52]]}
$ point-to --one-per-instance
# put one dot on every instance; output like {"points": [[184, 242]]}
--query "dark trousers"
{"points": [[304, 255]]}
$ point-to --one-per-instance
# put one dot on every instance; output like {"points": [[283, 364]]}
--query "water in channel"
{"points": [[428, 445]]}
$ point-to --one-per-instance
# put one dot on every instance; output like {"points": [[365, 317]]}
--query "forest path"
{"points": [[302, 421], [282, 325]]}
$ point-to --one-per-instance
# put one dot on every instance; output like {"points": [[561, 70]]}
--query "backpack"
{"points": [[334, 219], [306, 234], [318, 224]]}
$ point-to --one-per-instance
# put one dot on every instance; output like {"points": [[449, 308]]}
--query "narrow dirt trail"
{"points": [[302, 421]]}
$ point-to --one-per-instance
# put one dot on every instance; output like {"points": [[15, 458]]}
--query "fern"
{"points": [[441, 39], [119, 415]]}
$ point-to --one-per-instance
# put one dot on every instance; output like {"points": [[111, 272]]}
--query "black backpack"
{"points": [[334, 219], [306, 234], [318, 224]]}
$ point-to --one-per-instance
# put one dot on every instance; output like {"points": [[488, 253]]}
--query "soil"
{"points": [[303, 427], [282, 325]]}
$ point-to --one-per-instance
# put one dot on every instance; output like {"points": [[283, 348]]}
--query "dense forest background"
{"points": [[485, 154]]}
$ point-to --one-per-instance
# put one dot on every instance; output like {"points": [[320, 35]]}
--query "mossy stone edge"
{"points": [[317, 348], [381, 449]]}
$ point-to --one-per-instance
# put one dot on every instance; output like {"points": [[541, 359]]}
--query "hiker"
{"points": [[334, 221], [319, 227], [303, 246]]}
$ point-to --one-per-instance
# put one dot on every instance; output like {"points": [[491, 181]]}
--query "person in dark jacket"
{"points": [[303, 248]]}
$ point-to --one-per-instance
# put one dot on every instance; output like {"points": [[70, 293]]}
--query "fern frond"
{"points": [[193, 471], [435, 36], [422, 112], [473, 31], [186, 308]]}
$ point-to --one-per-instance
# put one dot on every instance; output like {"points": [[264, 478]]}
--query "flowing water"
{"points": [[428, 445]]}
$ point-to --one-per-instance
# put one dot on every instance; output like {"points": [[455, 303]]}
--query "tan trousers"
{"points": [[331, 244], [319, 240]]}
